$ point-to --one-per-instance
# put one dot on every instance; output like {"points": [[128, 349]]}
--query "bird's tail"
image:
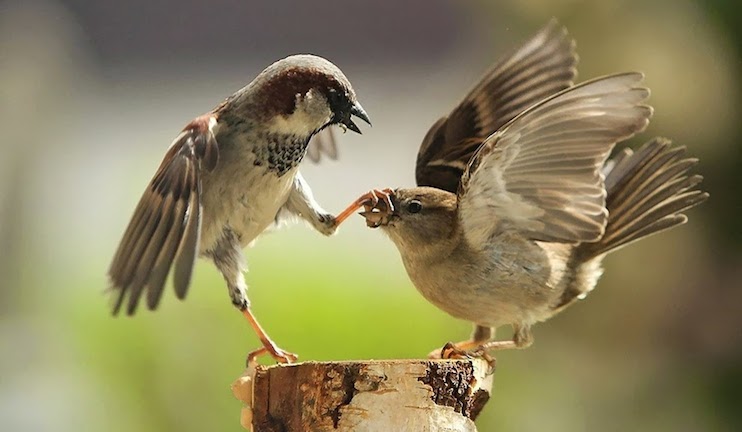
{"points": [[647, 191]]}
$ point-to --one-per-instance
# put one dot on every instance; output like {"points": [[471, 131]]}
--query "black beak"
{"points": [[358, 111]]}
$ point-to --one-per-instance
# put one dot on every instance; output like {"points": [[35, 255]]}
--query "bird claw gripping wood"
{"points": [[451, 351], [276, 353]]}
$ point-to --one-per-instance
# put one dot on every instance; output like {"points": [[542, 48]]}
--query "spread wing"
{"points": [[164, 231], [541, 173], [540, 68], [322, 143]]}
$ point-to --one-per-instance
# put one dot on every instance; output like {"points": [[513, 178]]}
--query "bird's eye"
{"points": [[414, 206], [333, 97]]}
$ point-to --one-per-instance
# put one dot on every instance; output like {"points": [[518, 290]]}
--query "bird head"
{"points": [[418, 217], [303, 94]]}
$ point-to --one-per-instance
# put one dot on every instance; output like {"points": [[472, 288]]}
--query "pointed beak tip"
{"points": [[365, 118], [358, 111], [354, 127]]}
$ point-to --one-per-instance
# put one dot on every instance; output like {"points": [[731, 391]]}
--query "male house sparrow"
{"points": [[512, 228], [227, 177]]}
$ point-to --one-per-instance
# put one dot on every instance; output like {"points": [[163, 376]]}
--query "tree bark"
{"points": [[387, 395]]}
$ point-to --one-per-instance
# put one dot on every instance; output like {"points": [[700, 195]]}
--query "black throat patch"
{"points": [[280, 153]]}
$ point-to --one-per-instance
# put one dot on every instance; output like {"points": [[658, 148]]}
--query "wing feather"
{"points": [[166, 224], [541, 67], [541, 173], [187, 252]]}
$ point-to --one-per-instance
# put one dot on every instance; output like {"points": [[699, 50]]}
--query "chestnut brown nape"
{"points": [[297, 75]]}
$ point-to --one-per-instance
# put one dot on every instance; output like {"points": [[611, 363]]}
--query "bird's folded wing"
{"points": [[543, 66], [166, 224], [540, 174]]}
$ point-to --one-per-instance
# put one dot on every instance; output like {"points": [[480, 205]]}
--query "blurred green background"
{"points": [[92, 92]]}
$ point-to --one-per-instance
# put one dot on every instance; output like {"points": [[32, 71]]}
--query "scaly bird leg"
{"points": [[479, 344], [480, 335], [269, 347], [522, 338], [227, 256]]}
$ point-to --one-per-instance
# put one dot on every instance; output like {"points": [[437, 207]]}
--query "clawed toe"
{"points": [[451, 351], [279, 355]]}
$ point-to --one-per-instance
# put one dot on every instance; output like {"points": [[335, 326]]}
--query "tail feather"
{"points": [[647, 192]]}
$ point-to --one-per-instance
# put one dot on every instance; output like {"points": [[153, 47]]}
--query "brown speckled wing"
{"points": [[540, 174], [164, 231], [543, 66]]}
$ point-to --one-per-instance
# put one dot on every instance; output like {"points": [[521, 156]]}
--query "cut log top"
{"points": [[385, 395]]}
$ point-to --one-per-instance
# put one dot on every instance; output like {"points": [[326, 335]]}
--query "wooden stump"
{"points": [[387, 395]]}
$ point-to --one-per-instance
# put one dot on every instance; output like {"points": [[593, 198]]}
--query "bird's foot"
{"points": [[269, 347], [326, 224], [377, 207], [452, 351], [369, 201], [277, 353]]}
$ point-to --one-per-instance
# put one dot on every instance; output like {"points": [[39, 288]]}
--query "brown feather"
{"points": [[542, 66], [647, 193], [166, 255], [166, 223], [186, 256], [540, 173]]}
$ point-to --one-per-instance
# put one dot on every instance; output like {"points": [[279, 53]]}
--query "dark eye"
{"points": [[414, 206], [334, 99]]}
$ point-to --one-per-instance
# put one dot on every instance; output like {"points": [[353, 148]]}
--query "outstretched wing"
{"points": [[543, 66], [166, 224], [541, 173]]}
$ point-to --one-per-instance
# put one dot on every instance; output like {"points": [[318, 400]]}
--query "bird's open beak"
{"points": [[375, 218], [379, 207], [358, 111]]}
